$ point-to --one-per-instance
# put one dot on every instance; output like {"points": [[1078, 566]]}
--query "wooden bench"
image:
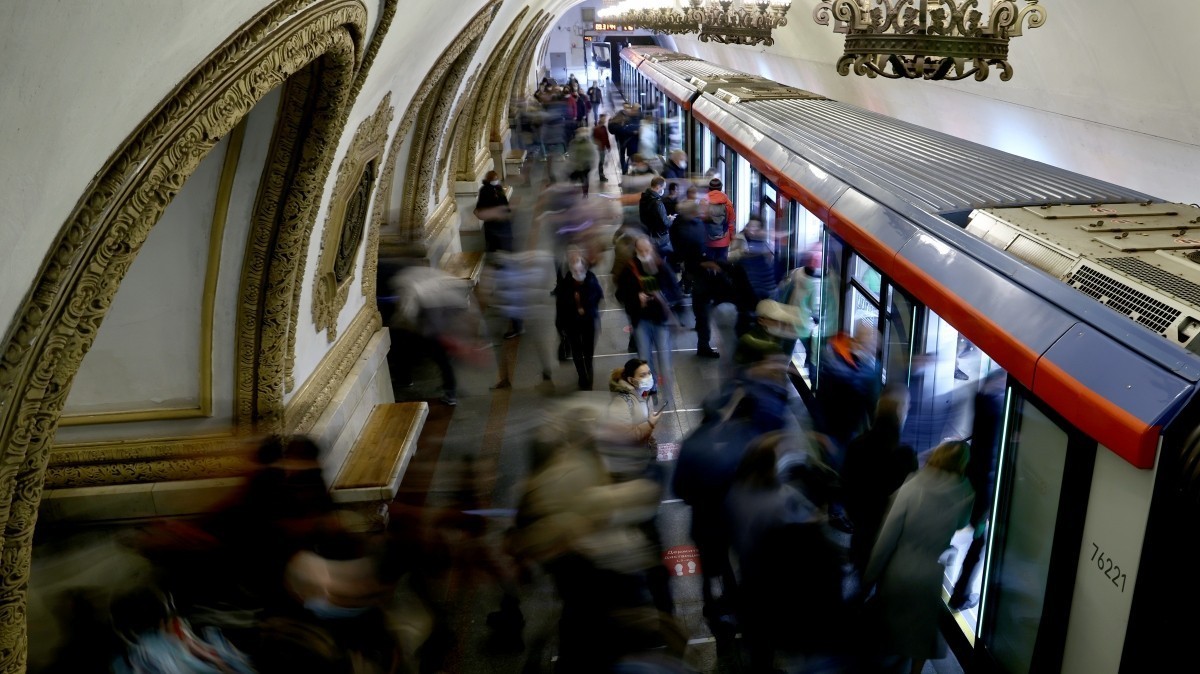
{"points": [[466, 266], [370, 477]]}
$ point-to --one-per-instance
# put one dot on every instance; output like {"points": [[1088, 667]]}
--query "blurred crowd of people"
{"points": [[819, 534]]}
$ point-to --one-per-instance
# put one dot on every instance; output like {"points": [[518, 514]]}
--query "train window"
{"points": [[744, 204], [1031, 470], [866, 277]]}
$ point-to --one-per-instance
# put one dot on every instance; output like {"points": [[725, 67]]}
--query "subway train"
{"points": [[965, 261]]}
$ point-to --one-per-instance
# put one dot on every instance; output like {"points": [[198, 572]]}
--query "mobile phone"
{"points": [[660, 409]]}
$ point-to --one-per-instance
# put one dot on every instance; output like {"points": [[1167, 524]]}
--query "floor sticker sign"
{"points": [[682, 560]]}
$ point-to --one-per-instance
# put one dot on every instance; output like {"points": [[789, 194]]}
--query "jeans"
{"points": [[658, 336]]}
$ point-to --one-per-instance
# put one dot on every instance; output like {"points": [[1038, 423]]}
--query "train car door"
{"points": [[1034, 537]]}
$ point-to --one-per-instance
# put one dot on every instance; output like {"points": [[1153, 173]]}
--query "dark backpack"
{"points": [[716, 225]]}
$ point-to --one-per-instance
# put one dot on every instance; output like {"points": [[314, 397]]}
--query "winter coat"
{"points": [[653, 214], [583, 154], [634, 457], [634, 279], [717, 197], [927, 511], [573, 297]]}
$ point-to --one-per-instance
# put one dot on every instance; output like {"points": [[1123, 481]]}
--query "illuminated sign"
{"points": [[611, 27]]}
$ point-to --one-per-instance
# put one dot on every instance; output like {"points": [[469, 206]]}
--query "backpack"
{"points": [[716, 225]]}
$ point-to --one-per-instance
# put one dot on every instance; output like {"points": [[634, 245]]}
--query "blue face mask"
{"points": [[322, 608]]}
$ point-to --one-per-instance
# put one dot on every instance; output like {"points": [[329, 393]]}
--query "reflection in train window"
{"points": [[1032, 466]]}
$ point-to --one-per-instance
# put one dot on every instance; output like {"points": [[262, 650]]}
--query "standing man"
{"points": [[596, 96], [719, 219], [603, 144], [654, 216]]}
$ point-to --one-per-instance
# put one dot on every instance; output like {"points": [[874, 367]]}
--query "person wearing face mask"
{"points": [[492, 208], [676, 166], [647, 288], [635, 457], [578, 297], [631, 386]]}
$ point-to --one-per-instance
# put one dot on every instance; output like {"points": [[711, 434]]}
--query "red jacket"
{"points": [[719, 197], [600, 138]]}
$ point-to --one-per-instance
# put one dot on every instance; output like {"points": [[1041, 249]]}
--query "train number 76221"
{"points": [[1109, 568]]}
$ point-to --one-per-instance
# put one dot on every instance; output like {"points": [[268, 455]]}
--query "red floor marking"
{"points": [[668, 451], [682, 560]]}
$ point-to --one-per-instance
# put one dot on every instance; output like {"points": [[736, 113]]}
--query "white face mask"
{"points": [[648, 259], [495, 183], [644, 384], [683, 164], [579, 271]]}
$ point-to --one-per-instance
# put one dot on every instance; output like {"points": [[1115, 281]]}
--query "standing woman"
{"points": [[492, 208], [577, 318], [647, 288], [636, 457], [905, 563]]}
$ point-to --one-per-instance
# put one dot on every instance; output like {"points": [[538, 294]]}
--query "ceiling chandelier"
{"points": [[927, 39], [745, 22]]}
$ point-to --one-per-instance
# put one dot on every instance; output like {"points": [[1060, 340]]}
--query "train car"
{"points": [[966, 265]]}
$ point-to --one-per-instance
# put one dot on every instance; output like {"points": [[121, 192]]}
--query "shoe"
{"points": [[964, 603], [513, 333], [708, 353], [960, 375], [449, 400], [546, 375], [502, 384], [603, 180]]}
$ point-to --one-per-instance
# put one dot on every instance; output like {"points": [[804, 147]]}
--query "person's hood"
{"points": [[617, 384]]}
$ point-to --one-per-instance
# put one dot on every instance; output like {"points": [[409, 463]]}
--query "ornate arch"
{"points": [[471, 136], [76, 285], [357, 180], [503, 94], [459, 126]]}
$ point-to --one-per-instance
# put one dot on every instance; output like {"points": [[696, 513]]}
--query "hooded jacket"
{"points": [[717, 197]]}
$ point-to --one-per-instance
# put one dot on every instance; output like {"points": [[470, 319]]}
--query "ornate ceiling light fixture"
{"points": [[745, 22], [927, 39]]}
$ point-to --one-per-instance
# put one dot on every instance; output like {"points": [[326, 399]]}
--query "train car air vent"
{"points": [[1139, 306], [1153, 276]]}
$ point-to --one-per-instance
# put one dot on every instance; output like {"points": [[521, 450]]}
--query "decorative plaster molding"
{"points": [[144, 461], [482, 95], [442, 217], [347, 218], [458, 128], [59, 319], [313, 397], [443, 78]]}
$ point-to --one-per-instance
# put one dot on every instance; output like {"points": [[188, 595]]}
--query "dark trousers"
{"points": [[581, 340], [603, 156], [409, 347], [702, 302]]}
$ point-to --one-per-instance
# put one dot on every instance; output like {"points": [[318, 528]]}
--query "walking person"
{"points": [[578, 296], [906, 565], [603, 144], [596, 96], [647, 288], [582, 154]]}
